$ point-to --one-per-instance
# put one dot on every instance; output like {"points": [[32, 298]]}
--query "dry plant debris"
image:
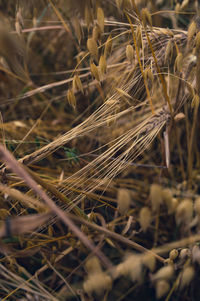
{"points": [[99, 150]]}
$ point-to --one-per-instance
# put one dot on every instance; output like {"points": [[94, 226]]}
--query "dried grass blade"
{"points": [[55, 192], [23, 224], [140, 64], [116, 236], [159, 74], [7, 158], [60, 17], [23, 198]]}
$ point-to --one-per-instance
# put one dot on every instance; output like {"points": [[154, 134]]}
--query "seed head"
{"points": [[177, 8], [100, 18], [77, 84], [108, 46], [92, 47], [94, 71], [165, 273], [93, 265], [191, 31], [146, 17], [184, 4], [196, 254], [102, 64], [96, 33], [124, 200], [179, 62], [149, 261], [97, 283], [129, 53], [71, 98], [184, 212], [156, 196], [179, 117], [173, 254], [162, 288], [139, 36], [187, 276], [145, 218], [185, 253]]}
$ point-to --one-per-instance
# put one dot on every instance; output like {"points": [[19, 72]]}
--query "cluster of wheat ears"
{"points": [[126, 209]]}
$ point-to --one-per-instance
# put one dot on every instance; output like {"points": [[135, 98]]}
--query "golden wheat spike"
{"points": [[135, 141], [146, 128]]}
